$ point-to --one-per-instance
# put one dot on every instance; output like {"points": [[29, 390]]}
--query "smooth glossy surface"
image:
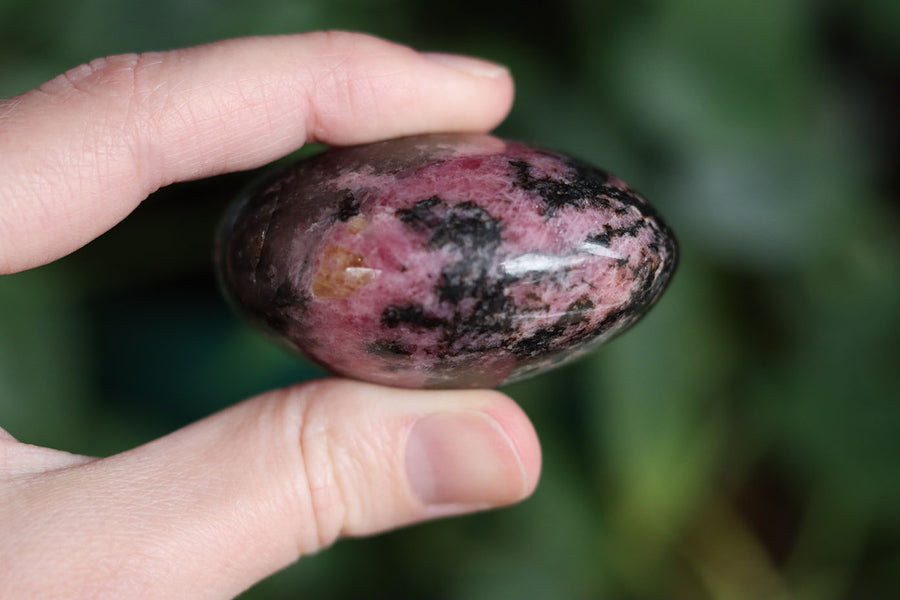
{"points": [[444, 260]]}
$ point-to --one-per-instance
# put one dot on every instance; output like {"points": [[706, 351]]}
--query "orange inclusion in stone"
{"points": [[340, 273], [356, 224]]}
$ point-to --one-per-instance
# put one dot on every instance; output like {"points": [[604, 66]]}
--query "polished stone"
{"points": [[449, 260]]}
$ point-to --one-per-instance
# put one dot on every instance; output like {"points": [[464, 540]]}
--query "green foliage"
{"points": [[740, 442]]}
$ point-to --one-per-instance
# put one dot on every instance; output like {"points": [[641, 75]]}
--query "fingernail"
{"points": [[468, 64], [463, 458]]}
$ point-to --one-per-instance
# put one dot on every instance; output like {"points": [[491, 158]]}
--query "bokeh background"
{"points": [[743, 441]]}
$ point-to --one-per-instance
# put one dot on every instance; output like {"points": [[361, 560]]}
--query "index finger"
{"points": [[80, 152]]}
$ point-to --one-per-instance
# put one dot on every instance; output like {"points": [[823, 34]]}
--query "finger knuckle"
{"points": [[114, 73], [126, 86], [317, 492], [122, 82]]}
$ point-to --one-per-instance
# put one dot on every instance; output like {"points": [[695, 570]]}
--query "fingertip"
{"points": [[496, 78], [491, 87], [465, 449], [381, 89]]}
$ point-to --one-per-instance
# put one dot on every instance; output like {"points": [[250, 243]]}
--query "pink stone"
{"points": [[445, 261]]}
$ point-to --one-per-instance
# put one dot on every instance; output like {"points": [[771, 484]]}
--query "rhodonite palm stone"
{"points": [[445, 261]]}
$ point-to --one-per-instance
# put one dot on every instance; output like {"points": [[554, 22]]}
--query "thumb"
{"points": [[209, 510]]}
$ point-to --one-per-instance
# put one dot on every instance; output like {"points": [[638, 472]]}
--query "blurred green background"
{"points": [[743, 441]]}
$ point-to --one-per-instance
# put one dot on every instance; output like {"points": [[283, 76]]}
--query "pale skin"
{"points": [[209, 510]]}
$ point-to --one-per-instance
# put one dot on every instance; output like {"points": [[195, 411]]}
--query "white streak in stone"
{"points": [[536, 262], [532, 262], [362, 272], [600, 250]]}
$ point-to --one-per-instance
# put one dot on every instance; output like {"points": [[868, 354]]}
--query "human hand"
{"points": [[207, 511]]}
